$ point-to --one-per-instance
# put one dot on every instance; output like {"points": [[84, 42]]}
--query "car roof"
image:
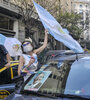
{"points": [[56, 52], [69, 57]]}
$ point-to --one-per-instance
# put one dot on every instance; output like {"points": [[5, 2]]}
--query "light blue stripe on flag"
{"points": [[55, 29], [65, 30], [2, 39]]}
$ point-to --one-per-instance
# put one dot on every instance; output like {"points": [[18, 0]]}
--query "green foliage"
{"points": [[71, 23]]}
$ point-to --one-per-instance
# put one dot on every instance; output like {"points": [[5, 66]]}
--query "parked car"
{"points": [[66, 77]]}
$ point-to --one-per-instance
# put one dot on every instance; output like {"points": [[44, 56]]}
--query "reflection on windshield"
{"points": [[78, 81], [57, 80], [71, 78]]}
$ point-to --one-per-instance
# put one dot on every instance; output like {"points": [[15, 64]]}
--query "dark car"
{"points": [[13, 81], [63, 77]]}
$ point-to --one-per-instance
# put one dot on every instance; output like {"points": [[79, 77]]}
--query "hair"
{"points": [[22, 45]]}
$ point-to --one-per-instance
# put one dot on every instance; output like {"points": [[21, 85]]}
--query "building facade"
{"points": [[66, 5], [10, 23], [82, 7]]}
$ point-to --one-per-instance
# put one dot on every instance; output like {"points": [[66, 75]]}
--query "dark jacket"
{"points": [[3, 53]]}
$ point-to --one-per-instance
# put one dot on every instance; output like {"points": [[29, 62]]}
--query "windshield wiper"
{"points": [[71, 96]]}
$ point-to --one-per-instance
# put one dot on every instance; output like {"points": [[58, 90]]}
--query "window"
{"points": [[87, 37], [81, 13], [74, 5], [6, 23], [80, 6], [86, 6], [87, 12]]}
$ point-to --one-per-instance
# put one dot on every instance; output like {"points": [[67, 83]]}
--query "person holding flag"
{"points": [[55, 29], [28, 61]]}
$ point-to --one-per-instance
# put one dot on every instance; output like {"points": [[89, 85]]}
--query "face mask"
{"points": [[27, 48]]}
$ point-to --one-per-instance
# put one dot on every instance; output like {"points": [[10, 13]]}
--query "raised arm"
{"points": [[37, 51]]}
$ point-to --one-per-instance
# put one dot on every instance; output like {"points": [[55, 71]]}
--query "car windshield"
{"points": [[78, 81], [63, 77]]}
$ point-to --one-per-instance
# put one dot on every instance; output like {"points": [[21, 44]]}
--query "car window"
{"points": [[78, 81]]}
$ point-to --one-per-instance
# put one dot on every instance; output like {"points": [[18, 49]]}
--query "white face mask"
{"points": [[27, 48]]}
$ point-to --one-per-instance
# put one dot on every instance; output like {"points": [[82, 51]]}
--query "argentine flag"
{"points": [[12, 45], [55, 29]]}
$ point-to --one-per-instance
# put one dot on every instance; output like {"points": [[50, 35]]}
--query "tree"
{"points": [[30, 18], [71, 23], [86, 22]]}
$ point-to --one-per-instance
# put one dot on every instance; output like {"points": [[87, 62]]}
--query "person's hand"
{"points": [[46, 31], [7, 65]]}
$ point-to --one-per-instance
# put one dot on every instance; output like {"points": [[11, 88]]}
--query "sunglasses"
{"points": [[26, 44]]}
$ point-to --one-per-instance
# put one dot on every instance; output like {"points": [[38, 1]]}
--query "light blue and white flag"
{"points": [[12, 45], [55, 29], [65, 30]]}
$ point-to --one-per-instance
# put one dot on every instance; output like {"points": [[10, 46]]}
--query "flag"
{"points": [[55, 29], [65, 30], [12, 45]]}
